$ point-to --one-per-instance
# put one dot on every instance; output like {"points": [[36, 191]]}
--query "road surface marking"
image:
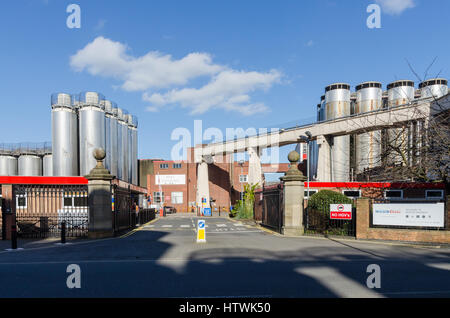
{"points": [[185, 225], [239, 224], [338, 283], [221, 225], [167, 225]]}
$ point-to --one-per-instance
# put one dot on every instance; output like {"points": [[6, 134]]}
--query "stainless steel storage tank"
{"points": [[111, 137], [47, 165], [29, 165], [436, 87], [134, 149], [399, 139], [92, 129], [368, 145], [122, 139], [64, 135], [8, 165], [337, 101]]}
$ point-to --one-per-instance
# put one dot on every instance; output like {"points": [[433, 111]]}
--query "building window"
{"points": [[393, 194], [434, 194], [75, 200], [21, 199], [352, 193], [163, 166], [177, 197], [311, 192], [158, 197], [243, 178], [176, 166]]}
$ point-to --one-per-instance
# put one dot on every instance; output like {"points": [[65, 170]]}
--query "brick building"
{"points": [[174, 183]]}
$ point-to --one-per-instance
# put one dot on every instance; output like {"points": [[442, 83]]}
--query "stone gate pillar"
{"points": [[293, 192], [99, 199]]}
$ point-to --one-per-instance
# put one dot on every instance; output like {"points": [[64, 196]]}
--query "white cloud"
{"points": [[310, 43], [227, 89], [396, 7]]}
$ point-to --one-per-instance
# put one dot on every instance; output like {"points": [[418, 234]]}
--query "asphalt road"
{"points": [[163, 259]]}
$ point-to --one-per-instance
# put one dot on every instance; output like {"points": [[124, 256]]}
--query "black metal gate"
{"points": [[41, 209], [124, 216], [272, 212], [319, 222]]}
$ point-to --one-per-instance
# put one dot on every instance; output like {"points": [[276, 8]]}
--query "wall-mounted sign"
{"points": [[168, 179], [409, 214], [340, 211]]}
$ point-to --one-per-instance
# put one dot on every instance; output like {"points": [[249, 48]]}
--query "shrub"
{"points": [[321, 200]]}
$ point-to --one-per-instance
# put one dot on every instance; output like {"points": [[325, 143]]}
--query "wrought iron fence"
{"points": [[272, 212], [41, 209], [319, 222], [146, 215], [124, 216]]}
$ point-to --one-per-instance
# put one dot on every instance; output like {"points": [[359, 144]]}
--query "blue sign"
{"points": [[201, 224], [207, 211]]}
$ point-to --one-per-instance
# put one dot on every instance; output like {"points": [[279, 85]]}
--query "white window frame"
{"points": [[160, 195], [172, 197], [386, 197], [359, 191], [73, 196], [310, 190], [17, 200], [177, 166], [434, 198], [241, 179]]}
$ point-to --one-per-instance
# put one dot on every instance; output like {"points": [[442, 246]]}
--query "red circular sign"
{"points": [[340, 208]]}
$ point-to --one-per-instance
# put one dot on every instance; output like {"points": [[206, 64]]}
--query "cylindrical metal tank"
{"points": [[368, 145], [64, 135], [111, 137], [400, 93], [8, 165], [337, 104], [47, 165], [92, 129], [134, 150], [399, 139], [122, 140], [436, 87], [29, 165]]}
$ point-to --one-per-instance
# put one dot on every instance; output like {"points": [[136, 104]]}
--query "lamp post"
{"points": [[241, 163], [307, 140]]}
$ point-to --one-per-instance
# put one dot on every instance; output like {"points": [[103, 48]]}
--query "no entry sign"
{"points": [[340, 211]]}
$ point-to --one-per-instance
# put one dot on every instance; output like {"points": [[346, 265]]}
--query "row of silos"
{"points": [[25, 161], [339, 102], [81, 123]]}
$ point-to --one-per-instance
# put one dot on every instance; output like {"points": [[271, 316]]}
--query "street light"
{"points": [[241, 163], [307, 140]]}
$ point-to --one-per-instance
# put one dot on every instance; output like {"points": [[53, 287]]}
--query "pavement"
{"points": [[163, 259]]}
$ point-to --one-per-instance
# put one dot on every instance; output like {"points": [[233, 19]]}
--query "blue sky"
{"points": [[172, 62]]}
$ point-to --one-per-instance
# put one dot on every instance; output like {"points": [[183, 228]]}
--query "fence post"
{"points": [[99, 199], [8, 210], [63, 232], [293, 193]]}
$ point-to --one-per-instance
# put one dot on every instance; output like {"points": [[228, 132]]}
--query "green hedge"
{"points": [[321, 200]]}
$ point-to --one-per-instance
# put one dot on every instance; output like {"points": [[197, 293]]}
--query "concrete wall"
{"points": [[364, 231]]}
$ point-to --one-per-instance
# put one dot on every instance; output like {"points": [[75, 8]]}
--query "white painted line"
{"points": [[147, 226], [221, 225], [166, 225], [185, 225], [239, 224]]}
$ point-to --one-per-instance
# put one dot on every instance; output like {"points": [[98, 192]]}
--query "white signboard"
{"points": [[411, 214], [168, 179], [340, 211]]}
